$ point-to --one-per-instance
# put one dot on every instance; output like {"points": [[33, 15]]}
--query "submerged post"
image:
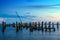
{"points": [[45, 26], [42, 25], [13, 24], [52, 25], [57, 25], [3, 26], [17, 26], [38, 26], [35, 25], [49, 27]]}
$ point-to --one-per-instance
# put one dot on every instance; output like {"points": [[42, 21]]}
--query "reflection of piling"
{"points": [[45, 26], [13, 24], [49, 27], [35, 24], [42, 25], [17, 27], [26, 25], [53, 27], [57, 25], [31, 27], [31, 30], [20, 26], [3, 26], [38, 26], [30, 24]]}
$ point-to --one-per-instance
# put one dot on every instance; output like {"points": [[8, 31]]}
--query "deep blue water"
{"points": [[10, 34]]}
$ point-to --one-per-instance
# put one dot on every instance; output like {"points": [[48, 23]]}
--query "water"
{"points": [[25, 34]]}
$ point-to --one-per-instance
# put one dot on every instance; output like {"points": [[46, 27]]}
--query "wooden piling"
{"points": [[32, 25], [49, 27], [57, 25], [45, 26], [3, 26], [17, 27], [52, 25], [35, 25], [13, 24], [38, 26], [42, 26], [29, 24]]}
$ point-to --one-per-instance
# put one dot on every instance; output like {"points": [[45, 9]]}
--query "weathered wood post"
{"points": [[45, 26], [31, 27], [29, 24], [35, 25], [3, 26], [42, 26], [13, 24], [57, 25], [49, 27], [17, 26], [38, 26], [20, 26], [53, 27]]}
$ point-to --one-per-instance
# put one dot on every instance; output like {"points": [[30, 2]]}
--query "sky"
{"points": [[30, 10]]}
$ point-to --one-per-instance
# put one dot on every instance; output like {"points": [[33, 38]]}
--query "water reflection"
{"points": [[25, 34]]}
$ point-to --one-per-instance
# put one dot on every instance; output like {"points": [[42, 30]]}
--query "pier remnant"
{"points": [[3, 26], [42, 26], [57, 25]]}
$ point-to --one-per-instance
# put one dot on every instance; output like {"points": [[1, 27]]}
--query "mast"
{"points": [[18, 17]]}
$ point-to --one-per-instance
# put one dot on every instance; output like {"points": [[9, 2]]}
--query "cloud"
{"points": [[39, 6], [43, 6], [15, 16], [1, 19]]}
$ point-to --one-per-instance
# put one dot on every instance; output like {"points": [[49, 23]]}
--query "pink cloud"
{"points": [[46, 19], [1, 19]]}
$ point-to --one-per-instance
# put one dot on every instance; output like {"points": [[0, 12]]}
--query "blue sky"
{"points": [[35, 10]]}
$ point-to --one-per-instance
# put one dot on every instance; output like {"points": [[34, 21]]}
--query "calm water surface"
{"points": [[25, 34]]}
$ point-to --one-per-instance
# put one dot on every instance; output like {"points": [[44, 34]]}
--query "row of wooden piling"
{"points": [[31, 25]]}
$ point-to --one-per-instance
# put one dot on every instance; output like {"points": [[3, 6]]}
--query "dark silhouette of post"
{"points": [[57, 25], [13, 24], [45, 26], [29, 24], [49, 27], [3, 26], [38, 26], [31, 27], [26, 25], [20, 26], [42, 26], [35, 25], [17, 27], [53, 27]]}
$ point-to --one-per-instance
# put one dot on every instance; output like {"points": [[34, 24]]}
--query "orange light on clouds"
{"points": [[46, 19]]}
